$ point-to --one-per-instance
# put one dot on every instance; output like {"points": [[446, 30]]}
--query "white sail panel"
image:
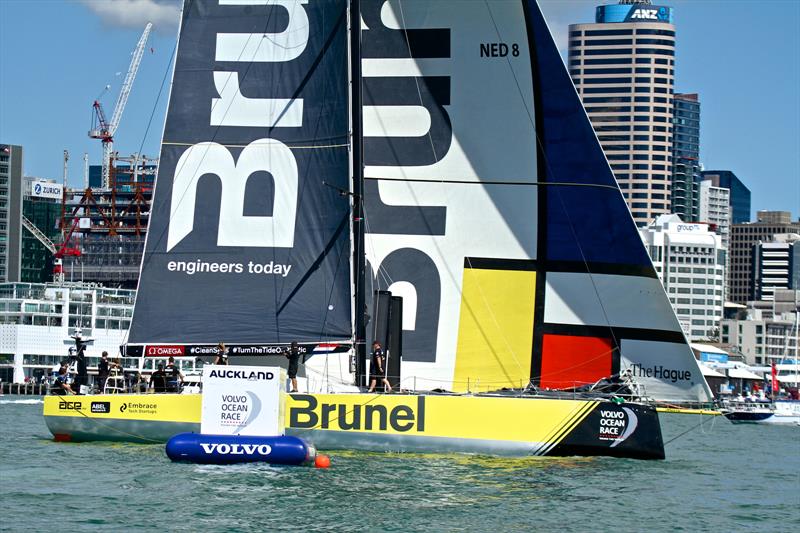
{"points": [[664, 371], [605, 300], [487, 121]]}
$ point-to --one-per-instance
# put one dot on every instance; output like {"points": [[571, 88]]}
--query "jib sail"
{"points": [[248, 239], [492, 210]]}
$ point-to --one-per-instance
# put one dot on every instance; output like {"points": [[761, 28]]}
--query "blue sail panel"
{"points": [[572, 154], [592, 225], [248, 240]]}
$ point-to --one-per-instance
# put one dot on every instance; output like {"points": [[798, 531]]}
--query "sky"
{"points": [[57, 56]]}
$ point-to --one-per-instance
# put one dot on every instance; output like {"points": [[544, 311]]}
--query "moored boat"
{"points": [[778, 412]]}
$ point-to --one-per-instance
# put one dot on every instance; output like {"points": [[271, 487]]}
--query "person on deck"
{"points": [[377, 368], [60, 385], [103, 369], [158, 381], [82, 374], [175, 376], [222, 357], [139, 383], [293, 353]]}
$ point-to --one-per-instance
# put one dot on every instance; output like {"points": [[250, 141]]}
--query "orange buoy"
{"points": [[322, 461]]}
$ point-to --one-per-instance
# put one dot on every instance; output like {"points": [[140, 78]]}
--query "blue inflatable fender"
{"points": [[231, 449]]}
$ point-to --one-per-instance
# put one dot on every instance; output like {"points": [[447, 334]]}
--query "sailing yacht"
{"points": [[419, 173]]}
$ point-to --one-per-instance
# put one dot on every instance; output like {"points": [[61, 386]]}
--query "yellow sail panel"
{"points": [[495, 330]]}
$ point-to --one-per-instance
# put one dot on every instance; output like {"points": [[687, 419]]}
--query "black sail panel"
{"points": [[248, 239]]}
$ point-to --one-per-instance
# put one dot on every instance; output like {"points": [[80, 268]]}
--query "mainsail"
{"points": [[492, 210], [488, 203], [249, 239]]}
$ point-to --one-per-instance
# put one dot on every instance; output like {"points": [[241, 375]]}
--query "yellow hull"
{"points": [[420, 423]]}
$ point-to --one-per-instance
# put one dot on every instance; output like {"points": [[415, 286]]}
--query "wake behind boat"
{"points": [[431, 182]]}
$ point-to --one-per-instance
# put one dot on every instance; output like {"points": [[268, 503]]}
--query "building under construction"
{"points": [[108, 224]]}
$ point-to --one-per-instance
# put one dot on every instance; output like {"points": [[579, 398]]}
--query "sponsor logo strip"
{"points": [[149, 407], [165, 351]]}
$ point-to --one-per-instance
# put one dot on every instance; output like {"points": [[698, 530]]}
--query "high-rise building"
{"points": [[690, 261], [740, 194], [11, 188], [623, 67], [743, 238], [41, 205], [776, 265], [766, 332], [686, 157], [714, 207]]}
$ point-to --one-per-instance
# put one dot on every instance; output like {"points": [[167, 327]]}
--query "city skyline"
{"points": [[750, 122]]}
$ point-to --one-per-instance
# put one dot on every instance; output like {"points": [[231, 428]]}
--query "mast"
{"points": [[357, 142]]}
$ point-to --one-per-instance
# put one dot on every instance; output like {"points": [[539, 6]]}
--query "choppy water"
{"points": [[718, 477]]}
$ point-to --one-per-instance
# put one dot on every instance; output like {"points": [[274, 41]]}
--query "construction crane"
{"points": [[103, 129]]}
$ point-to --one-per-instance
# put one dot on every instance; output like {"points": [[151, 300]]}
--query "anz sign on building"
{"points": [[634, 13]]}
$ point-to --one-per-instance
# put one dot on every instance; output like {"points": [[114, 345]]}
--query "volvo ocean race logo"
{"points": [[617, 425], [239, 410]]}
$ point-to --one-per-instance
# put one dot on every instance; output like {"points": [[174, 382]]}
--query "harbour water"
{"points": [[717, 477]]}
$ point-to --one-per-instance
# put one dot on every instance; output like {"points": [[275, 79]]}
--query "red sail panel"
{"points": [[571, 361]]}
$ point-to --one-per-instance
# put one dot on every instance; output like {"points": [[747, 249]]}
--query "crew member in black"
{"points": [[175, 378], [158, 381], [377, 369], [103, 369], [293, 353], [222, 357], [82, 374]]}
